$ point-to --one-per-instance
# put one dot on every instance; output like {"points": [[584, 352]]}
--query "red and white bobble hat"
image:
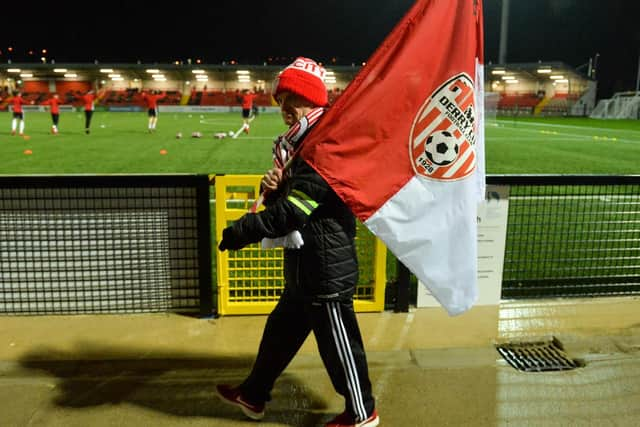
{"points": [[305, 78]]}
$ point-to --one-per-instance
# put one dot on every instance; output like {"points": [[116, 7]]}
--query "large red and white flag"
{"points": [[403, 145]]}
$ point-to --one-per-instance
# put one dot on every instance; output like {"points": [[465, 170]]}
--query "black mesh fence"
{"points": [[571, 236], [113, 244], [119, 244]]}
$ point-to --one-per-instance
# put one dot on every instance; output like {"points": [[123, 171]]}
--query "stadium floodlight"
{"points": [[197, 71], [556, 77], [498, 71], [112, 75], [544, 70], [60, 70], [153, 71], [13, 70], [106, 70], [510, 82], [508, 77], [117, 79], [243, 72], [561, 81], [70, 75], [26, 75]]}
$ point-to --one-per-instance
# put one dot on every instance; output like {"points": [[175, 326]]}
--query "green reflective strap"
{"points": [[302, 201]]}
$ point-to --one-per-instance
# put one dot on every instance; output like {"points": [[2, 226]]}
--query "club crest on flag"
{"points": [[442, 137]]}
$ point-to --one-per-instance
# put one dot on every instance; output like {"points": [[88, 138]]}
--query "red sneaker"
{"points": [[346, 420], [232, 396], [246, 130]]}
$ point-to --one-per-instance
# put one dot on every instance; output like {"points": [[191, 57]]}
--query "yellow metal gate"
{"points": [[250, 280]]}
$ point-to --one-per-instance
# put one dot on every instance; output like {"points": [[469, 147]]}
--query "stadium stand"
{"points": [[216, 97], [541, 88], [221, 97], [35, 86], [558, 105], [121, 83], [195, 97], [514, 103], [550, 88], [69, 87], [173, 97]]}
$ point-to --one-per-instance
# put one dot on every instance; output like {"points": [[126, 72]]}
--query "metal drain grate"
{"points": [[538, 356]]}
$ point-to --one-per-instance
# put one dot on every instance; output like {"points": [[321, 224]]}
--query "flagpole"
{"points": [[504, 32], [638, 78]]}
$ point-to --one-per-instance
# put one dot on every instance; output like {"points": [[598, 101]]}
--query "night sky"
{"points": [[332, 31]]}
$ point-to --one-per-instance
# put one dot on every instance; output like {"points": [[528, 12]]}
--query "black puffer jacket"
{"points": [[326, 266]]}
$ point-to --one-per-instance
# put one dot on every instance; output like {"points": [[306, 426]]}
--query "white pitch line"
{"points": [[532, 138], [507, 122], [217, 122], [583, 137], [256, 137]]}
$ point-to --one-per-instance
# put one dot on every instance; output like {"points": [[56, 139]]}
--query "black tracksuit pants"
{"points": [[337, 333]]}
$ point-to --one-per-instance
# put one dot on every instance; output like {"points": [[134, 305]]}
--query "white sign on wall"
{"points": [[492, 233]]}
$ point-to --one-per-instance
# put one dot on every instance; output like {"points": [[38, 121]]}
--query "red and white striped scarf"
{"points": [[286, 145], [285, 148]]}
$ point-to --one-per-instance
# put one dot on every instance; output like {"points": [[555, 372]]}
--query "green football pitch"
{"points": [[120, 143]]}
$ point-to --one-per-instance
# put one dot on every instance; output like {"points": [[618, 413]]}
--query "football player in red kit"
{"points": [[151, 99], [17, 101], [54, 105], [89, 100]]}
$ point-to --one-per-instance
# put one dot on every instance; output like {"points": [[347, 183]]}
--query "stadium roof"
{"points": [[175, 72], [534, 70]]}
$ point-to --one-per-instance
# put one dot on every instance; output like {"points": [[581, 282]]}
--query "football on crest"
{"points": [[441, 148]]}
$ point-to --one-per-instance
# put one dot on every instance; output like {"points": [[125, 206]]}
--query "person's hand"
{"points": [[230, 240], [271, 180]]}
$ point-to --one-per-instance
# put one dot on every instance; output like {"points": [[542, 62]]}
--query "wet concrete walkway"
{"points": [[427, 369]]}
